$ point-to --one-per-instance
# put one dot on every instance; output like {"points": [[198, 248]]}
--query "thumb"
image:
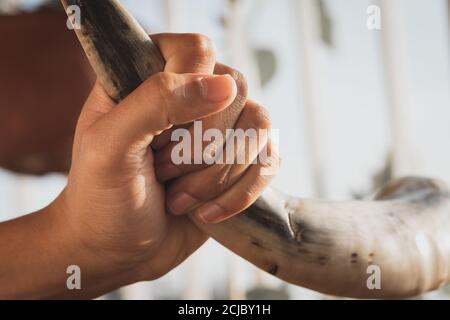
{"points": [[96, 106], [164, 100]]}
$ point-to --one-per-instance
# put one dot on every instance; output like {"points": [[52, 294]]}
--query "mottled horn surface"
{"points": [[120, 51], [397, 245]]}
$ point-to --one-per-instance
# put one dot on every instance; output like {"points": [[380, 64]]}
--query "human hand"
{"points": [[114, 203]]}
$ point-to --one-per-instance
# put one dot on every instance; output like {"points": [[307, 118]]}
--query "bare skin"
{"points": [[113, 218], [316, 244]]}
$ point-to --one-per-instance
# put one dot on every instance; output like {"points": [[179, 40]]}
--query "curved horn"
{"points": [[331, 247]]}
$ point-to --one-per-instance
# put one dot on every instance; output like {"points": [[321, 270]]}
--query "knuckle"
{"points": [[239, 78], [202, 48], [258, 116], [241, 83], [271, 164]]}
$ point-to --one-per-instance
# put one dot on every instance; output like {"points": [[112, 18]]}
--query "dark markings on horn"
{"points": [[116, 46]]}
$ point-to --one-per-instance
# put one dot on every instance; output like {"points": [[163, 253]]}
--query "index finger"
{"points": [[186, 52]]}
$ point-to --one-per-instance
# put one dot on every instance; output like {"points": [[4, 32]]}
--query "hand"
{"points": [[114, 202], [215, 193], [111, 220]]}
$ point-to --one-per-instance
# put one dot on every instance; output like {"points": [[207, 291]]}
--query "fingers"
{"points": [[242, 149], [164, 100], [186, 52], [244, 193], [226, 119]]}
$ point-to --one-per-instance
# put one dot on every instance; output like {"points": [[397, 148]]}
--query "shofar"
{"points": [[322, 245]]}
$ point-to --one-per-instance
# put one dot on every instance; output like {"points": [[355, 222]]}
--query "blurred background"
{"points": [[355, 106]]}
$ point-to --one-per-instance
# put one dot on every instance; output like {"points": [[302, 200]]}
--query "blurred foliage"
{"points": [[267, 65], [326, 23]]}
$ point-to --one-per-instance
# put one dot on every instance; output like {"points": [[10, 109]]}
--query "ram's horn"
{"points": [[395, 246]]}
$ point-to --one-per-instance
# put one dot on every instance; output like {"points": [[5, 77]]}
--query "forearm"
{"points": [[35, 252]]}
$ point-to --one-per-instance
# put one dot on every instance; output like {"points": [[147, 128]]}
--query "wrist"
{"points": [[101, 272]]}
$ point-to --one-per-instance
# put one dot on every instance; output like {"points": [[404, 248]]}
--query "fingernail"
{"points": [[211, 213], [218, 88], [181, 203]]}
